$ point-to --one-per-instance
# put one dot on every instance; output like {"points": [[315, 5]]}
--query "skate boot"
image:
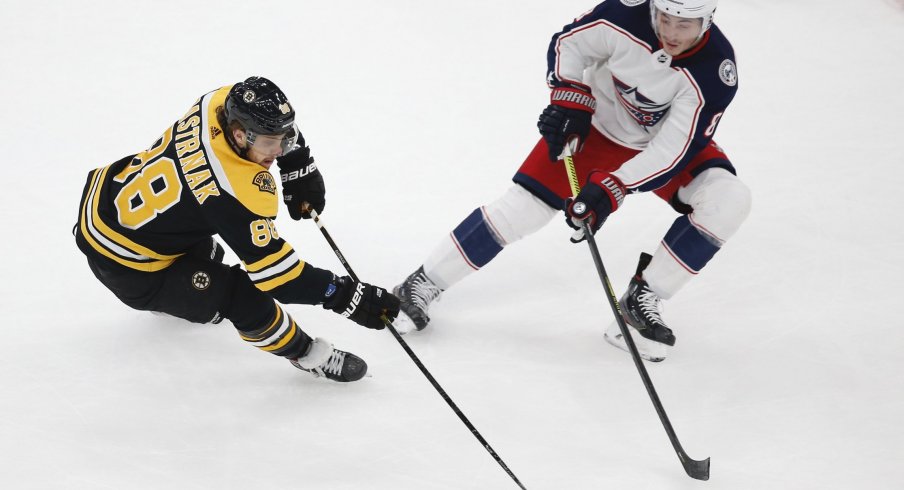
{"points": [[416, 292], [642, 310], [331, 363]]}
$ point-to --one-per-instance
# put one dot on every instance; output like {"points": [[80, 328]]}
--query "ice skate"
{"points": [[323, 360], [642, 310], [416, 292]]}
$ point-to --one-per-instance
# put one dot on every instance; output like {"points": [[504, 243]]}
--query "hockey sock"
{"points": [[281, 336], [476, 239], [261, 321], [683, 252], [484, 233]]}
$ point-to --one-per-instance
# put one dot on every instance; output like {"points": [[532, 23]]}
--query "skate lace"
{"points": [[333, 365], [423, 291], [650, 305]]}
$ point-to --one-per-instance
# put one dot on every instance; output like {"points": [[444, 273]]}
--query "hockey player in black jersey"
{"points": [[146, 224]]}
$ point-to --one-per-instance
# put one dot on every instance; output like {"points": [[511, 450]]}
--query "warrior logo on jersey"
{"points": [[728, 73], [200, 280], [264, 181], [645, 111]]}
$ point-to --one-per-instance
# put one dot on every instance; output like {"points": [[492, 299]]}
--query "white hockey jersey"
{"points": [[668, 107]]}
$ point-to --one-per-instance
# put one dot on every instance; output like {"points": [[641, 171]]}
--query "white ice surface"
{"points": [[788, 367]]}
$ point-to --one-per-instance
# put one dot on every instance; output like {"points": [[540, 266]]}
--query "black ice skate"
{"points": [[416, 292], [324, 360], [642, 310]]}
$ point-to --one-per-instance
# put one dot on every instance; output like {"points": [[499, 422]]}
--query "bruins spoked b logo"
{"points": [[200, 280], [265, 182]]}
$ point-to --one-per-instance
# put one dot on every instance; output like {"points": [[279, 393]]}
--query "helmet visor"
{"points": [[273, 144]]}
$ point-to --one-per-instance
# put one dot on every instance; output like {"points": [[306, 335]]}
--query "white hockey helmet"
{"points": [[688, 9]]}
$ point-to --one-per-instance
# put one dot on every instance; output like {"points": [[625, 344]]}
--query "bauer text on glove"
{"points": [[301, 183], [360, 302]]}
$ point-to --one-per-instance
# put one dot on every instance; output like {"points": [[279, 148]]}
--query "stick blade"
{"points": [[698, 470]]}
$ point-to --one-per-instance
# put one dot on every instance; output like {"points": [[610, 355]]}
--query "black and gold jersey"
{"points": [[146, 210]]}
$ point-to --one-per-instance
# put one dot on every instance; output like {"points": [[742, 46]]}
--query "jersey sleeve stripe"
{"points": [[275, 269], [278, 281], [269, 260]]}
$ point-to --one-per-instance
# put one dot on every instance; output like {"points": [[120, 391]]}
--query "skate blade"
{"points": [[648, 350]]}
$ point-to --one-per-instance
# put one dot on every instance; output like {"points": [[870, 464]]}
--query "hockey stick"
{"points": [[417, 362], [695, 469]]}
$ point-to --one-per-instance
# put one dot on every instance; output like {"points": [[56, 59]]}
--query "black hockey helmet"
{"points": [[260, 106]]}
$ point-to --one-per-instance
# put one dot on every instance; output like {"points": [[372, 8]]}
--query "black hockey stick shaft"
{"points": [[695, 469], [417, 362]]}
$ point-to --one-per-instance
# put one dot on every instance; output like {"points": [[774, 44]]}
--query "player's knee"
{"points": [[736, 200], [721, 204], [517, 214], [246, 304]]}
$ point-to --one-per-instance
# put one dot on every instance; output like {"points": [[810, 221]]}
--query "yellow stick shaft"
{"points": [[572, 174]]}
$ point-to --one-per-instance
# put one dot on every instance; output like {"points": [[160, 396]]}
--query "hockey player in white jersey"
{"points": [[641, 85]]}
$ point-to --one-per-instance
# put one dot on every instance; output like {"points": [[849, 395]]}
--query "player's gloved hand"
{"points": [[360, 302], [567, 116], [301, 182], [599, 198]]}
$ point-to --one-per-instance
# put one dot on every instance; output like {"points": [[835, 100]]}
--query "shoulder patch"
{"points": [[264, 181], [632, 3], [728, 73]]}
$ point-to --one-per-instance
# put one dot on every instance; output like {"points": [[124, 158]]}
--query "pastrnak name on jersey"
{"points": [[147, 210], [194, 165]]}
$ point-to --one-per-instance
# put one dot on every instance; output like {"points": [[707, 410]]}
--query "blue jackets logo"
{"points": [[728, 73], [646, 112]]}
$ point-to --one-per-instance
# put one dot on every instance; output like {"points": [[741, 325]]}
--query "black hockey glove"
{"points": [[360, 302], [567, 116], [301, 182], [599, 198]]}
